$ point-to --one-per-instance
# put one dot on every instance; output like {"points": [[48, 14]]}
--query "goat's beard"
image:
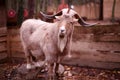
{"points": [[62, 43]]}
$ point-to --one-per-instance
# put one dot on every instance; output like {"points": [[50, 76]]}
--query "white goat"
{"points": [[52, 40]]}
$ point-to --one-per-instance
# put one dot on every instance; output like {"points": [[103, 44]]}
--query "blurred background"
{"points": [[15, 11]]}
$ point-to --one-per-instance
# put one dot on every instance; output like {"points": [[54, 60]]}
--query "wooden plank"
{"points": [[16, 46], [112, 46], [4, 34], [13, 41], [15, 38], [9, 53], [84, 37], [3, 47], [96, 46], [3, 30], [103, 37], [18, 54], [77, 61], [3, 39], [99, 29], [16, 43], [19, 48], [14, 32], [3, 55], [3, 42], [108, 37]]}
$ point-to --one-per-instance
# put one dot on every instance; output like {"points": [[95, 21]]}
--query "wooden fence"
{"points": [[3, 42], [97, 46], [3, 31], [15, 47]]}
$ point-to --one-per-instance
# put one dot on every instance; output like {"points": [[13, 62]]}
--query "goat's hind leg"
{"points": [[28, 58], [29, 65], [38, 58], [56, 69]]}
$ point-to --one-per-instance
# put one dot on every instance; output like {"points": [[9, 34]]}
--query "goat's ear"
{"points": [[75, 20]]}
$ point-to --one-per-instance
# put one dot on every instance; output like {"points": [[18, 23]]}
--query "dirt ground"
{"points": [[8, 72]]}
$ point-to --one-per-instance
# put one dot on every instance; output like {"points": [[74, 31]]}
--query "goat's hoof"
{"points": [[29, 66]]}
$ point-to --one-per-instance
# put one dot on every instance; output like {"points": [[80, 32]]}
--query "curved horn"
{"points": [[51, 16], [82, 22]]}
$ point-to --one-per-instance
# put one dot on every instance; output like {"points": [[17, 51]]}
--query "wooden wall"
{"points": [[97, 46], [3, 31], [15, 46], [3, 42]]}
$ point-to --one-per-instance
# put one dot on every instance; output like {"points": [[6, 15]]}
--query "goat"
{"points": [[51, 40]]}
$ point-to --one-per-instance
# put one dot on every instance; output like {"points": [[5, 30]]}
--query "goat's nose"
{"points": [[62, 30]]}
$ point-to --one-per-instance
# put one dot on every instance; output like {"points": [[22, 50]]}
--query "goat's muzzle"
{"points": [[62, 32], [61, 35]]}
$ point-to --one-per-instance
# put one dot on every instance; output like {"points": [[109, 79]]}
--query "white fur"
{"points": [[42, 37], [29, 66], [63, 29]]}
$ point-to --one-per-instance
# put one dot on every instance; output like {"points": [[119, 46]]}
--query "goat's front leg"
{"points": [[59, 69], [56, 69], [28, 58], [51, 73]]}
